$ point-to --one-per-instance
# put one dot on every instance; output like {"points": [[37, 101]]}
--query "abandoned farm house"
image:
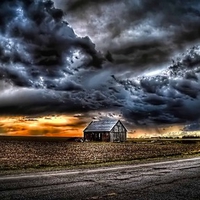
{"points": [[105, 131]]}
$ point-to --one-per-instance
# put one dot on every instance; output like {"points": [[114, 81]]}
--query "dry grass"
{"points": [[21, 154]]}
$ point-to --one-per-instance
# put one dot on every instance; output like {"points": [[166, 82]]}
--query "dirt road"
{"points": [[156, 181]]}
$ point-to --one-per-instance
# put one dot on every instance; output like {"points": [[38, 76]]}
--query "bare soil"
{"points": [[23, 154]]}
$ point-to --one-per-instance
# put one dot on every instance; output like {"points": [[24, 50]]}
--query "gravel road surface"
{"points": [[170, 180]]}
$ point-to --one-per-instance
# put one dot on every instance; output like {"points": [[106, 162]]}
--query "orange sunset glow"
{"points": [[73, 126], [159, 131], [57, 126]]}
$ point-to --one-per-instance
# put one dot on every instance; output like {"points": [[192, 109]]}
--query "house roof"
{"points": [[102, 125]]}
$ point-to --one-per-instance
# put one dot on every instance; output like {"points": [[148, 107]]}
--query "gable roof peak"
{"points": [[101, 125]]}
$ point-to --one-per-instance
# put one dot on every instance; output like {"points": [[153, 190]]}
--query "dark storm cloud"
{"points": [[42, 62], [166, 98], [37, 46], [192, 127], [139, 34], [45, 68]]}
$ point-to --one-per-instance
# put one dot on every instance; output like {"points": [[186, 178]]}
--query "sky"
{"points": [[64, 63]]}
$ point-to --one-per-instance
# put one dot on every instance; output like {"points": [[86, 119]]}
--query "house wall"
{"points": [[97, 136], [106, 137], [118, 133], [88, 136]]}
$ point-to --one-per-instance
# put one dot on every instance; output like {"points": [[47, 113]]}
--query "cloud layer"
{"points": [[170, 97], [38, 49], [46, 68], [140, 34]]}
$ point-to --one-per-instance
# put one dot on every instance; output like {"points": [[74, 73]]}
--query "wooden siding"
{"points": [[97, 136], [118, 133]]}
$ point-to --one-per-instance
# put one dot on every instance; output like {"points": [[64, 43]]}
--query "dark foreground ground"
{"points": [[172, 180], [26, 153]]}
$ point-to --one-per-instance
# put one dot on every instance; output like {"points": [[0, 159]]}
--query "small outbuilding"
{"points": [[105, 131]]}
